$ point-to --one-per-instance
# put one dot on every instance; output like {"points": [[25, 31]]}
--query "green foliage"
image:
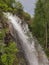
{"points": [[11, 6], [1, 35], [8, 53], [11, 48], [5, 5]]}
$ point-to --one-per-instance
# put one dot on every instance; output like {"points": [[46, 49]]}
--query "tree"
{"points": [[47, 22], [39, 19], [39, 24], [19, 8], [27, 16]]}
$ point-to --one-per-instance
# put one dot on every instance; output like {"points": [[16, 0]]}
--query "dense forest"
{"points": [[38, 25]]}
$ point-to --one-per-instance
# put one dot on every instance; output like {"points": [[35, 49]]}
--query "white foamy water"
{"points": [[35, 56]]}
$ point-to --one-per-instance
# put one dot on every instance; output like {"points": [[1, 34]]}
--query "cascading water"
{"points": [[34, 55]]}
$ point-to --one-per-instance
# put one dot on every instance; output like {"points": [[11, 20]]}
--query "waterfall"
{"points": [[33, 52]]}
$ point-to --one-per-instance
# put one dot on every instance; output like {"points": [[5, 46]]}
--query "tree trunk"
{"points": [[46, 35]]}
